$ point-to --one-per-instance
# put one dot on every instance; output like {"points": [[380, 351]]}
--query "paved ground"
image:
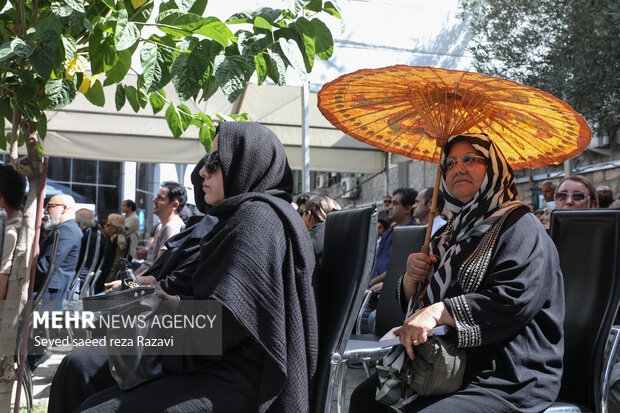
{"points": [[42, 381]]}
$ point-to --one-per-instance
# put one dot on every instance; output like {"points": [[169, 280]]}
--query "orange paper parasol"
{"points": [[412, 111]]}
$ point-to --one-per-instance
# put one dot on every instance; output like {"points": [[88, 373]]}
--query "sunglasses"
{"points": [[387, 201], [467, 161], [212, 162], [575, 196]]}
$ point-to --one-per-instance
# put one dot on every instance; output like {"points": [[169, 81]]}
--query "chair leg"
{"points": [[366, 368], [341, 385]]}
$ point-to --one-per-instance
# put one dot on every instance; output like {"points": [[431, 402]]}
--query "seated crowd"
{"points": [[494, 278]]}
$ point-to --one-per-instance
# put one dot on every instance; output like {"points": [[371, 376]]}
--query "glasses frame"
{"points": [[212, 162], [49, 206], [478, 159]]}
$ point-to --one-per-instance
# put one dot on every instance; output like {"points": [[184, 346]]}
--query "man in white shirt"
{"points": [[132, 225], [12, 190], [170, 199]]}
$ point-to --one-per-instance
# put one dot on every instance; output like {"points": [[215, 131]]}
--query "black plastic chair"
{"points": [[365, 347], [348, 259], [588, 242]]}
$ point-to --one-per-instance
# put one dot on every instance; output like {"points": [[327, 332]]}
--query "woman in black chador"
{"points": [[257, 261], [495, 278]]}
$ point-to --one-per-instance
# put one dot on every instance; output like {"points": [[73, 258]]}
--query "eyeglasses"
{"points": [[212, 162], [575, 196], [50, 206], [467, 161]]}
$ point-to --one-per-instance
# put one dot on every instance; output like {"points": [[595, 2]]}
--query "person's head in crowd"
{"points": [[422, 205], [12, 190], [59, 209], [532, 206], [401, 206], [387, 201], [115, 224], [128, 207], [317, 209], [169, 201], [615, 204], [302, 199], [576, 192], [85, 218], [548, 190], [382, 226], [605, 196]]}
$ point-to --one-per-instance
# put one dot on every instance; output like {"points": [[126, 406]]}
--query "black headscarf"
{"points": [[258, 263]]}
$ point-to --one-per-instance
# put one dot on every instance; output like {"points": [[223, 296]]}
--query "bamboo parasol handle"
{"points": [[426, 249]]}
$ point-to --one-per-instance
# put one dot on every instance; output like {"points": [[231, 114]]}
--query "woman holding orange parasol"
{"points": [[495, 278]]}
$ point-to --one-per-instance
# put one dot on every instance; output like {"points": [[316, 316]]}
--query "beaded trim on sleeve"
{"points": [[468, 331]]}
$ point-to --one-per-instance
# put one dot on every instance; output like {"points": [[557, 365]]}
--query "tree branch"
{"points": [[18, 166]]}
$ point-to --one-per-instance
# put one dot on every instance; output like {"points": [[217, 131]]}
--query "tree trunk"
{"points": [[17, 292]]}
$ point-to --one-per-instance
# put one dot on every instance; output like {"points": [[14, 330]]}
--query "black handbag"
{"points": [[131, 364]]}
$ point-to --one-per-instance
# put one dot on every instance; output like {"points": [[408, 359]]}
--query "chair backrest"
{"points": [[348, 259], [101, 248], [588, 243], [406, 240]]}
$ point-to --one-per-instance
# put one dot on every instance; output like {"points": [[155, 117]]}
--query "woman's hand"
{"points": [[112, 286], [416, 328], [418, 269]]}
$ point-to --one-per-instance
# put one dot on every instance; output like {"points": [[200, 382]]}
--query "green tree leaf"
{"points": [[261, 68], [331, 9], [95, 95], [132, 97], [206, 134], [199, 7], [306, 41], [261, 23], [158, 100], [126, 33], [61, 9], [315, 5], [276, 68], [22, 48], [102, 52], [118, 72], [232, 73], [324, 42], [188, 24], [294, 56], [154, 67], [41, 126], [173, 120], [76, 5], [6, 51], [209, 87], [61, 92], [70, 46], [186, 116], [119, 97], [187, 73]]}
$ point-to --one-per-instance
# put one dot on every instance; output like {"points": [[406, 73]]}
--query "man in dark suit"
{"points": [[61, 219]]}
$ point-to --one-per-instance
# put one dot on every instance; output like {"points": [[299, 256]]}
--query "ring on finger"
{"points": [[415, 342]]}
